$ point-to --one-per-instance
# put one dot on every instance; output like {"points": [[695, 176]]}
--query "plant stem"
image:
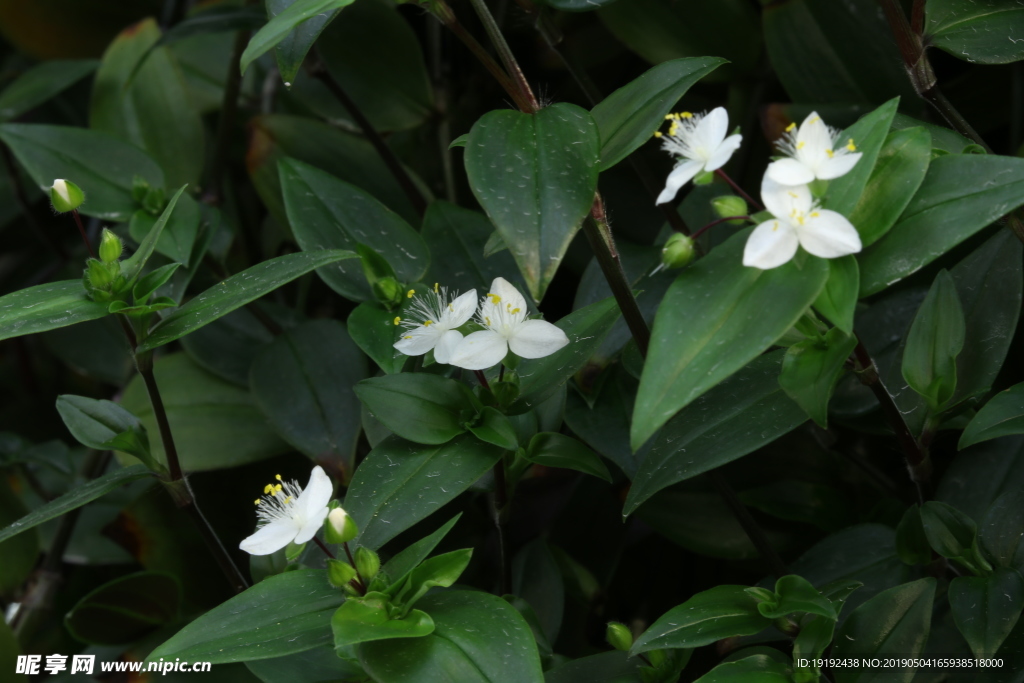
{"points": [[505, 55], [358, 581], [499, 511], [324, 548], [916, 457], [750, 200], [226, 123], [387, 155], [712, 224], [81, 231], [482, 378], [749, 524]]}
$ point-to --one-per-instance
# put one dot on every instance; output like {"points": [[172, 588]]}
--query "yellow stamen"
{"points": [[258, 501], [428, 323], [850, 146], [487, 321], [800, 145], [657, 133], [268, 488], [815, 214], [451, 308], [830, 153], [397, 320], [277, 489], [775, 226], [287, 500], [515, 310], [495, 299], [670, 117], [408, 336], [790, 128], [815, 119], [277, 476], [686, 115], [435, 288], [793, 195], [410, 293]]}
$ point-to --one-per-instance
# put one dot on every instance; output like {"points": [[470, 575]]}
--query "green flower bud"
{"points": [[367, 562], [678, 251], [339, 573], [65, 196], [729, 206], [111, 247], [154, 201], [388, 291], [704, 178], [619, 636], [99, 275], [339, 527]]}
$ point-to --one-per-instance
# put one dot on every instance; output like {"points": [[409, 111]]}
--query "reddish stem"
{"points": [[81, 230], [712, 224], [750, 200]]}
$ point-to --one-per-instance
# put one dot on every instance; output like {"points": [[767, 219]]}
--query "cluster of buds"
{"points": [[103, 279]]}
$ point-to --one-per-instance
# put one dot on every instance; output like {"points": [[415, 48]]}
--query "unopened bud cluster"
{"points": [[103, 279]]}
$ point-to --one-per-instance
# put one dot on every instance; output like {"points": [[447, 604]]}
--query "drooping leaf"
{"points": [[1003, 415], [293, 17], [420, 407], [103, 425], [557, 450], [365, 618], [46, 307], [986, 608]]}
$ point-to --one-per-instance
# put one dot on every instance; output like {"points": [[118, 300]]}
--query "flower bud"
{"points": [[339, 527], [367, 562], [111, 247], [339, 573], [388, 291], [678, 251], [619, 636], [704, 178], [99, 275], [65, 196], [729, 206]]}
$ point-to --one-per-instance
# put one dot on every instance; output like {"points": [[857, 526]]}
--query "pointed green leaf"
{"points": [[362, 619], [557, 450], [868, 134], [132, 266], [838, 299], [103, 425], [986, 608], [420, 407], [289, 20], [976, 31], [811, 370], [47, 307], [495, 428], [40, 83], [935, 339], [1003, 415]]}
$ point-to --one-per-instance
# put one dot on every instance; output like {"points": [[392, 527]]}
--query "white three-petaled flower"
{"points": [[699, 142], [503, 314], [434, 317], [288, 513], [811, 153], [797, 222]]}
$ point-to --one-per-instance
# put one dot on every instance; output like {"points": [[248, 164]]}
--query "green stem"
{"points": [[505, 55]]}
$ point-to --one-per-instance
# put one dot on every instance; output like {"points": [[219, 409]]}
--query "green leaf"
{"points": [[1003, 415], [457, 237], [702, 333], [606, 667], [557, 450], [327, 213], [441, 571], [986, 608], [744, 412], [1002, 530], [280, 615], [838, 300], [362, 619], [148, 104], [494, 428], [629, 116], [899, 171], [935, 339], [535, 175], [952, 534], [236, 291], [178, 237], [400, 483], [292, 47], [153, 280], [76, 498], [477, 638], [132, 266], [20, 553], [760, 668], [420, 407], [319, 664], [278, 28], [911, 541], [983, 32], [399, 566], [577, 5], [720, 612], [868, 134], [603, 421], [102, 165], [796, 594], [47, 307], [40, 83], [104, 425], [948, 210], [811, 370], [123, 610], [894, 623], [373, 329], [302, 381], [215, 424], [537, 579]]}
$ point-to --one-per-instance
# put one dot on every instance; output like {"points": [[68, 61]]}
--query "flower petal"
{"points": [[829, 235], [270, 538], [839, 165], [418, 341], [316, 495], [724, 152], [813, 139], [790, 172], [770, 245], [781, 200], [680, 175], [536, 339], [479, 351], [711, 130], [461, 310], [446, 346], [311, 525], [509, 295]]}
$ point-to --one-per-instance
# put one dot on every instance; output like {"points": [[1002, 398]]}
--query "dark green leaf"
{"points": [[537, 579], [401, 564], [911, 541], [20, 552], [292, 17], [1003, 415], [178, 238], [721, 612], [477, 638], [604, 424], [935, 339], [440, 571], [796, 594], [125, 609], [868, 134], [327, 213], [838, 300], [303, 382], [46, 307], [76, 498], [702, 332], [102, 165], [629, 116], [1002, 530], [362, 619], [557, 450], [948, 210], [318, 665], [420, 407], [457, 237], [811, 370], [103, 425], [400, 483], [236, 291], [535, 175], [760, 668], [894, 623], [741, 414], [494, 428], [606, 667], [131, 267], [986, 608], [950, 532], [373, 329], [984, 32], [40, 83], [278, 616]]}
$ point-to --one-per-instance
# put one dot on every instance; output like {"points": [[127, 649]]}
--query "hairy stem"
{"points": [[505, 55]]}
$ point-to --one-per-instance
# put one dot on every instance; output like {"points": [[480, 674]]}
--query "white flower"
{"points": [[435, 317], [798, 222], [288, 513], [811, 153], [503, 312], [700, 143]]}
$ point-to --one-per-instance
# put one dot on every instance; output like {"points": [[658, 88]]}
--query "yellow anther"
{"points": [[815, 119], [814, 214], [277, 489], [793, 195], [670, 117], [657, 133], [397, 320], [258, 501], [790, 128], [686, 115], [451, 308], [673, 129], [850, 146], [487, 321], [277, 476], [495, 299], [436, 288], [408, 336], [775, 226], [287, 500], [428, 323], [830, 153], [800, 145], [268, 488], [410, 293], [515, 310]]}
